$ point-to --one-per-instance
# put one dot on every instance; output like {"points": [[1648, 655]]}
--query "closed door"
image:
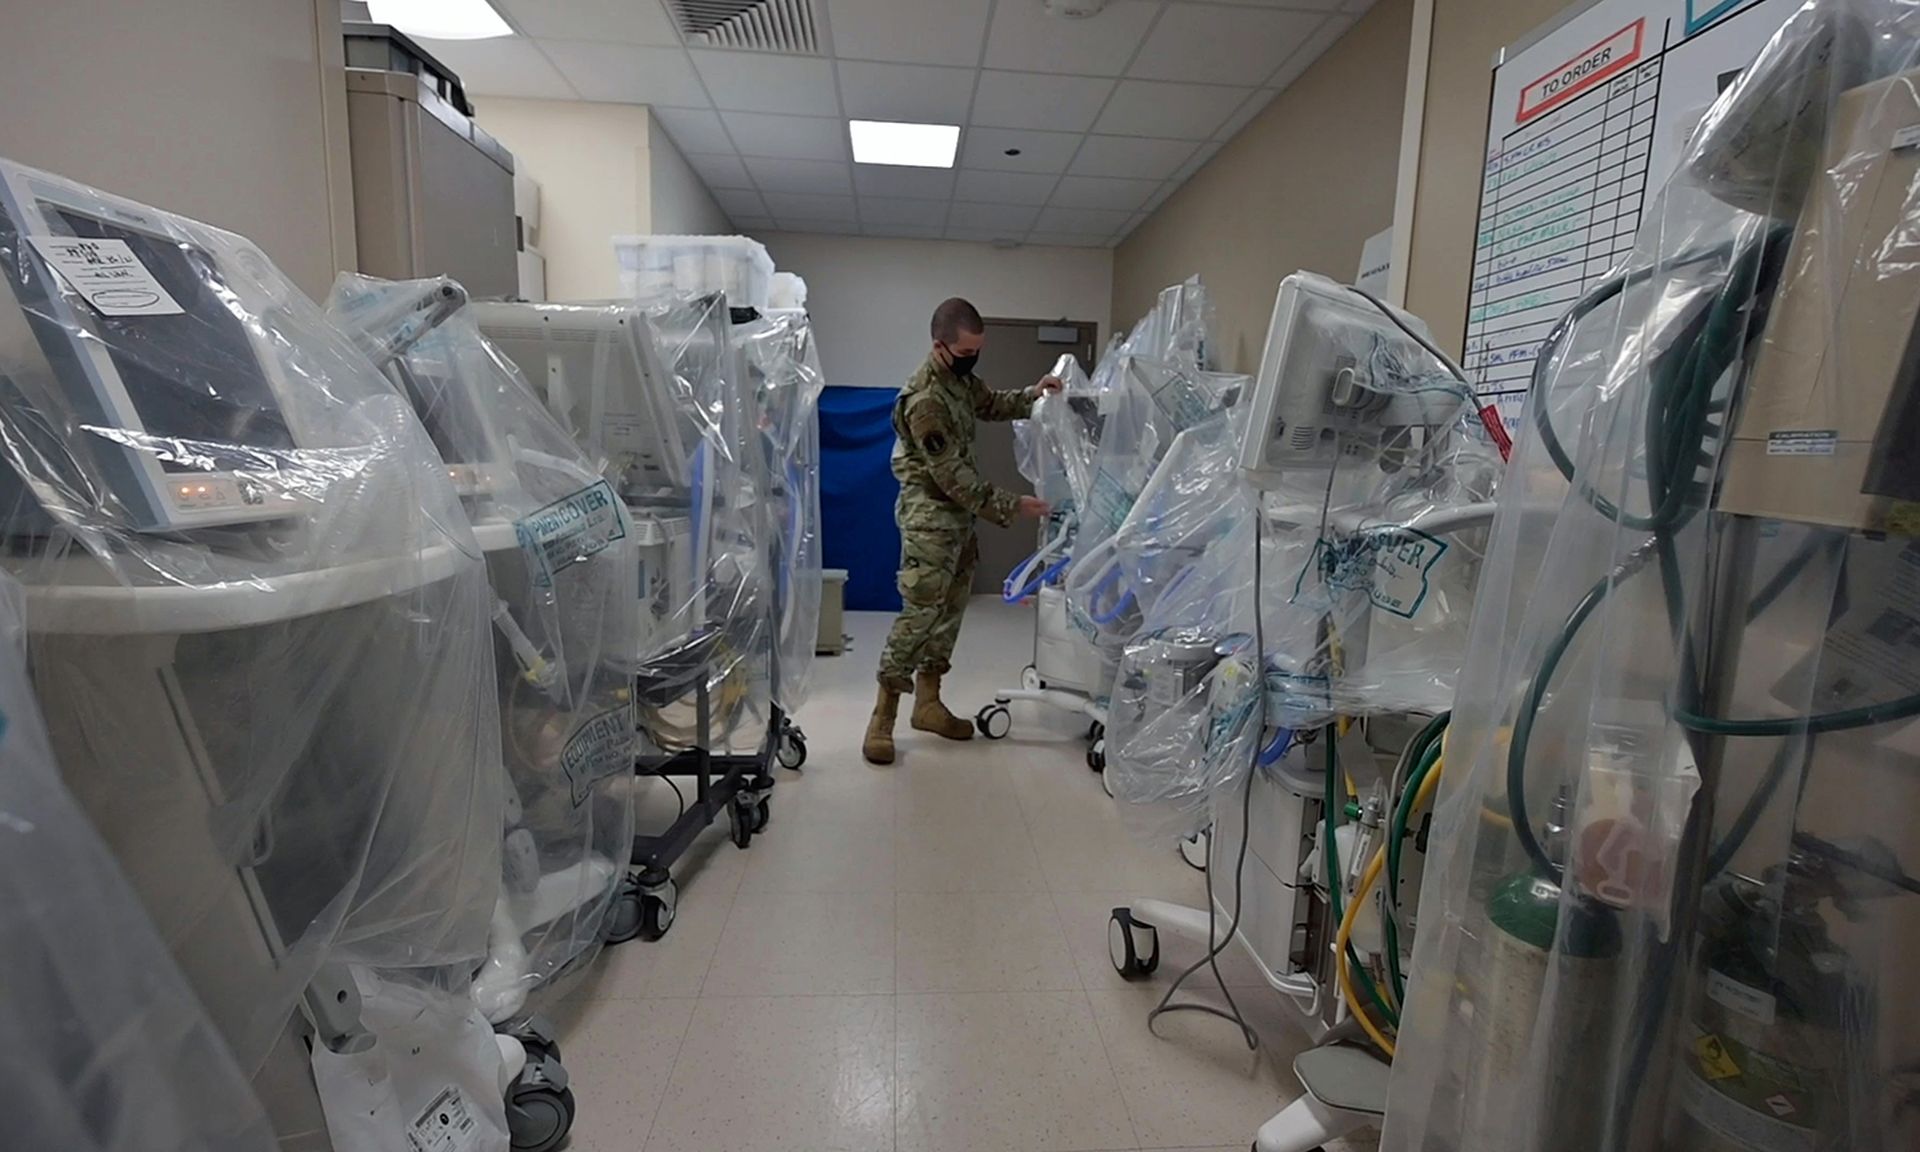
{"points": [[1017, 353]]}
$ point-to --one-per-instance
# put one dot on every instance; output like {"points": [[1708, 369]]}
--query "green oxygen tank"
{"points": [[1525, 942]]}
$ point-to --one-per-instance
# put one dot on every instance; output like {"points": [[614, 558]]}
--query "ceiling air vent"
{"points": [[756, 25]]}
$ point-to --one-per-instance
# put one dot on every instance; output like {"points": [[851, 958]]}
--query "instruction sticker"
{"points": [[445, 1126], [107, 275], [571, 529], [1810, 442], [600, 748]]}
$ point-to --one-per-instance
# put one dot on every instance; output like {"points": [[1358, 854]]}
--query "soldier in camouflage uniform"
{"points": [[941, 491]]}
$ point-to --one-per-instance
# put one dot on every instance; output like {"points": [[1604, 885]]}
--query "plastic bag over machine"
{"points": [[1672, 887], [260, 621]]}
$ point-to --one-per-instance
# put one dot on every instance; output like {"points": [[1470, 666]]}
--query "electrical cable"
{"points": [[1217, 942], [1330, 857]]}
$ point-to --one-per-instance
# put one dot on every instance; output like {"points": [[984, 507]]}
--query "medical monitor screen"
{"points": [[193, 376]]}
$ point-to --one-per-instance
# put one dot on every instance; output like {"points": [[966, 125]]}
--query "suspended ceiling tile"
{"points": [[788, 137], [1209, 44], [916, 93], [801, 206], [1000, 219], [1030, 151], [909, 31], [1131, 156], [1158, 108], [612, 21], [764, 82], [740, 202], [625, 74], [908, 183], [1004, 187], [1024, 37], [721, 171], [1081, 221], [819, 177], [1039, 100], [890, 211], [694, 129], [1103, 192]]}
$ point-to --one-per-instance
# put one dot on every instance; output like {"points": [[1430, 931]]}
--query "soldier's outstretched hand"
{"points": [[1035, 507]]}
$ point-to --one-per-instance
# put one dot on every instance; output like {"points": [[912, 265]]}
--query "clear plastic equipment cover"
{"points": [[106, 1047], [1671, 891], [783, 362], [1365, 566], [562, 558], [261, 633]]}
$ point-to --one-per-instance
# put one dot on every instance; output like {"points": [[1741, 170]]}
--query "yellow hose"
{"points": [[1368, 878]]}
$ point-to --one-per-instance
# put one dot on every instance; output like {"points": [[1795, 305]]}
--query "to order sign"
{"points": [[1594, 66]]}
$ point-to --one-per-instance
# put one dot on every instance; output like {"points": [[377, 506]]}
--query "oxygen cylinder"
{"points": [[1763, 1051], [1526, 942]]}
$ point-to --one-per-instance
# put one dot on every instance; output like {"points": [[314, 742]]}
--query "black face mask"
{"points": [[963, 365]]}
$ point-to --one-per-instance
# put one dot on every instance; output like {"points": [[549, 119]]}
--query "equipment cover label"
{"points": [[107, 274], [571, 529]]}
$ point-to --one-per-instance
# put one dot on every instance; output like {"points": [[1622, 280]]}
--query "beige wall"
{"points": [[228, 111], [679, 203], [870, 298], [1453, 149], [592, 166], [1302, 186]]}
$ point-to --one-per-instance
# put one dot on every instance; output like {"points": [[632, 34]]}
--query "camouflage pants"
{"points": [[937, 558]]}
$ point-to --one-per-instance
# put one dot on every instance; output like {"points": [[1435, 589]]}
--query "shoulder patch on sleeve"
{"points": [[928, 423]]}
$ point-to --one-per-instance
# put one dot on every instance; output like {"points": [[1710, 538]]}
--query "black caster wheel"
{"points": [[994, 721], [1097, 755], [657, 909], [1030, 678], [792, 751], [762, 816], [1096, 731], [539, 1118], [1132, 945], [740, 823], [623, 918]]}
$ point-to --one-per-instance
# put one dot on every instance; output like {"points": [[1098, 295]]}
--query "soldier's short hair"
{"points": [[953, 317]]}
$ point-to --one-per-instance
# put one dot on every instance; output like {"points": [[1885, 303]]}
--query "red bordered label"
{"points": [[1594, 66]]}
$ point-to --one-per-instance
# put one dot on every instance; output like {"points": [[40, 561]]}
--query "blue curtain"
{"points": [[857, 490]]}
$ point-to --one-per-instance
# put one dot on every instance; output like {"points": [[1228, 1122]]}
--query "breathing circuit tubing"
{"points": [[1680, 429]]}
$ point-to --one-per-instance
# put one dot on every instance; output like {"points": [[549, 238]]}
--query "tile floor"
{"points": [[914, 958]]}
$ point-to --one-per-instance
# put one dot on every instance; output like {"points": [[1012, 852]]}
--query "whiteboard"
{"points": [[1588, 120]]}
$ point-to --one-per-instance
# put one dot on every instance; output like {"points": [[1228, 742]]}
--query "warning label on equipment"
{"points": [[1594, 66]]}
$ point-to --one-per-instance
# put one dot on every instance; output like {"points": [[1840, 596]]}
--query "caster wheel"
{"points": [[1030, 678], [994, 721], [538, 1119], [657, 909], [792, 752], [1133, 946], [762, 816], [1096, 731], [1097, 755], [1194, 850], [623, 918]]}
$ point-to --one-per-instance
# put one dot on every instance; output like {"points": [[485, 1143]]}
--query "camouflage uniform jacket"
{"points": [[933, 426]]}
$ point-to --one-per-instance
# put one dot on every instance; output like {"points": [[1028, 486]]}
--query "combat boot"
{"points": [[878, 746], [930, 715]]}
